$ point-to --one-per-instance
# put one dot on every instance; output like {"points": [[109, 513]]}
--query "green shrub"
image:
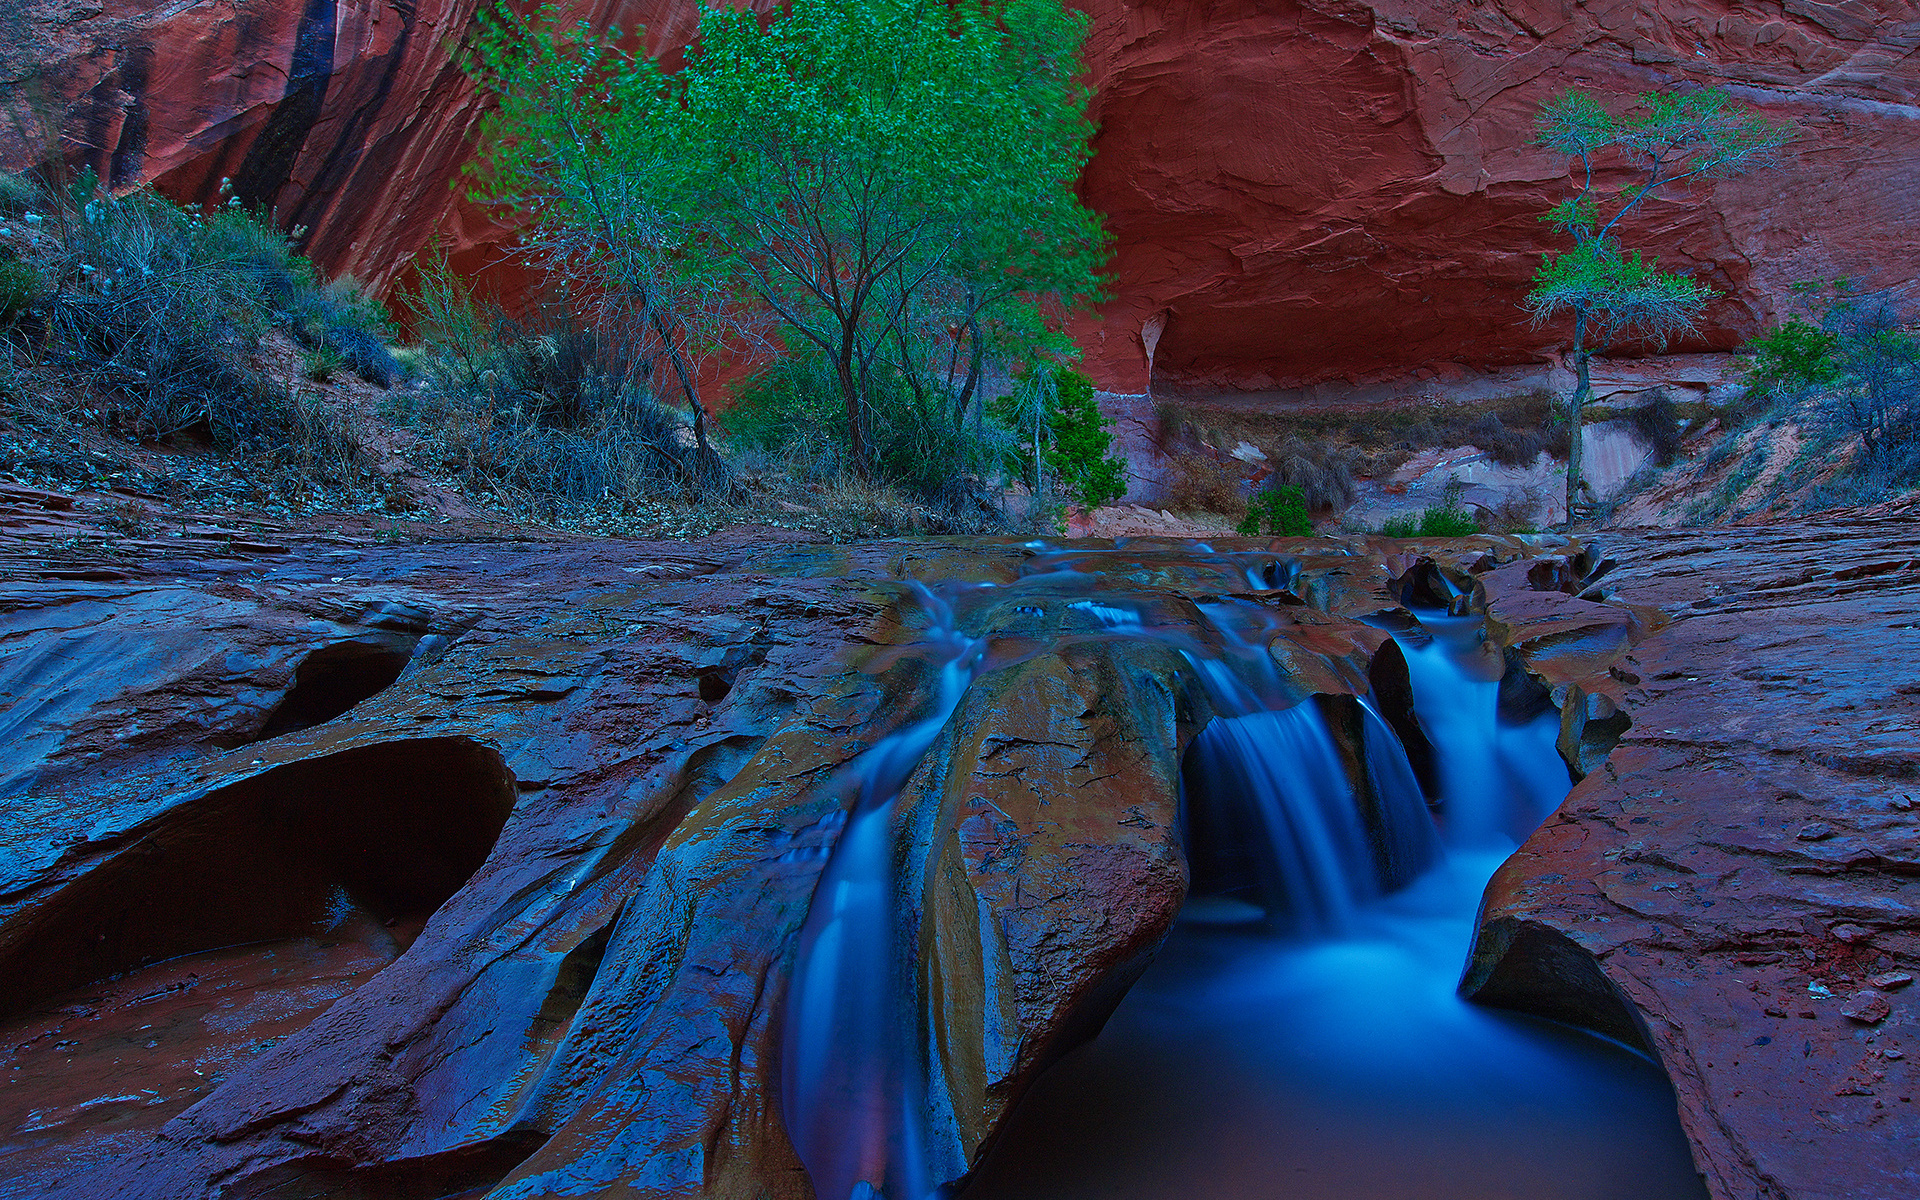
{"points": [[1279, 511], [549, 418], [944, 471], [341, 317], [20, 286], [18, 194], [1852, 378], [1054, 410], [1081, 439], [1795, 354], [790, 408], [322, 363], [1442, 520], [157, 314]]}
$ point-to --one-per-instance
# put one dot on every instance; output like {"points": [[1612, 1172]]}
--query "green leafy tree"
{"points": [[1794, 354], [1858, 365], [1054, 416], [1607, 289], [890, 182], [1081, 439]]}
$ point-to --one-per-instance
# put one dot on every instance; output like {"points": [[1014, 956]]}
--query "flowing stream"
{"points": [[847, 1079], [1299, 1036], [1332, 1059]]}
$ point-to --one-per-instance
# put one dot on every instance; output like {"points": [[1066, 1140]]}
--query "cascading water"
{"points": [[1498, 781], [1344, 1065], [1408, 843], [1273, 826], [850, 1082], [1270, 790]]}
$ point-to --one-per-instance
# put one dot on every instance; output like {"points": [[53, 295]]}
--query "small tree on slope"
{"points": [[1606, 288]]}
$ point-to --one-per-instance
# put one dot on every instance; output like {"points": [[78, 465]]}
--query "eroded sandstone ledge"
{"points": [[582, 998]]}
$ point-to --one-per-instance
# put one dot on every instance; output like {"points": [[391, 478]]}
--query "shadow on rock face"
{"points": [[386, 832], [1531, 968]]}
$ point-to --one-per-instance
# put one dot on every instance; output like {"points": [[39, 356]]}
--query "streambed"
{"points": [[1245, 1066], [1317, 1060]]}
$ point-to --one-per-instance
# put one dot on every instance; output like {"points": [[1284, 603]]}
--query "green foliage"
{"points": [[159, 312], [145, 322], [790, 412], [1859, 377], [1081, 438], [1277, 511], [20, 286], [1613, 290], [866, 175], [322, 364], [1679, 136], [1607, 289], [1055, 410], [1441, 520], [161, 308], [18, 194], [1794, 354], [550, 419], [790, 406], [1849, 368]]}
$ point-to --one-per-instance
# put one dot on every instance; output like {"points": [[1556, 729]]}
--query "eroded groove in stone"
{"points": [[383, 833], [690, 827], [331, 680]]}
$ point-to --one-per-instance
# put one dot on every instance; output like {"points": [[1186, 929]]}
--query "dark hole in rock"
{"points": [[385, 833], [1522, 697], [331, 680], [1533, 969], [1424, 586], [714, 685]]}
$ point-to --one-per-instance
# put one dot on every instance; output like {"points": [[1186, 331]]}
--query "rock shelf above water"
{"points": [[519, 920]]}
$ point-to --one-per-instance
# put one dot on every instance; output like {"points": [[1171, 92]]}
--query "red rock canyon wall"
{"points": [[1299, 191]]}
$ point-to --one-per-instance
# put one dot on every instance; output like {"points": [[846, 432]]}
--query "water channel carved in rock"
{"points": [[552, 915]]}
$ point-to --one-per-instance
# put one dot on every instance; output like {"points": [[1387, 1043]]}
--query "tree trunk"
{"points": [[975, 360], [1576, 405], [685, 378], [856, 415]]}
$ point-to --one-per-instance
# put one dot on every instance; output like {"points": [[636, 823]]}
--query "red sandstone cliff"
{"points": [[1299, 191]]}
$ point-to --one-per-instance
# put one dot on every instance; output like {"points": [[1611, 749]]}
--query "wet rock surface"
{"points": [[1742, 865], [518, 920]]}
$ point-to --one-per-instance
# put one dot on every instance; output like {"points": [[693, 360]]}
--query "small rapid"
{"points": [[850, 1083], [1330, 1056], [1300, 1035], [1266, 793], [1499, 780]]}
